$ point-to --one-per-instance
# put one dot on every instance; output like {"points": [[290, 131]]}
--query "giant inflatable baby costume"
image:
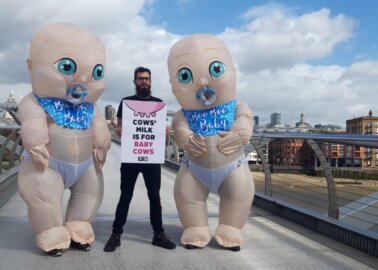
{"points": [[212, 128], [65, 136]]}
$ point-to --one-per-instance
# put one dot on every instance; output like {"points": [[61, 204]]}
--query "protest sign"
{"points": [[143, 131]]}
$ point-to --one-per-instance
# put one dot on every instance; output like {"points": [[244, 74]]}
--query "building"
{"points": [[291, 152], [12, 98], [256, 120], [302, 124], [110, 114], [328, 128], [253, 158], [340, 155], [8, 109], [275, 119], [10, 105], [8, 122], [366, 158]]}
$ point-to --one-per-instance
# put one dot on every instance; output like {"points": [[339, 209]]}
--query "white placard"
{"points": [[143, 131]]}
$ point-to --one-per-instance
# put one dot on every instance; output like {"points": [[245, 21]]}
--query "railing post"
{"points": [[268, 177], [333, 210]]}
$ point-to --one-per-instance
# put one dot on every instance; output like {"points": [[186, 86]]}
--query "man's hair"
{"points": [[141, 69]]}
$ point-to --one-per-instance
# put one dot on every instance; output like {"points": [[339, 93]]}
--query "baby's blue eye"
{"points": [[98, 72], [216, 69], [66, 66], [184, 75]]}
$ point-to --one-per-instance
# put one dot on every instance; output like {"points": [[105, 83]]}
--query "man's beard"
{"points": [[143, 91]]}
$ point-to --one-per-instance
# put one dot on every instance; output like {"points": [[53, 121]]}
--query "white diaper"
{"points": [[70, 172], [213, 178]]}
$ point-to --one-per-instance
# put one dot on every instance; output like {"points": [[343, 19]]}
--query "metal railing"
{"points": [[324, 194], [10, 151]]}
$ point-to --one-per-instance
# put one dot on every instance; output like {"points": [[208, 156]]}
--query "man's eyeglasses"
{"points": [[147, 79]]}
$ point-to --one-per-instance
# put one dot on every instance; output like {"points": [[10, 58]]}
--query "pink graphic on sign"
{"points": [[143, 108]]}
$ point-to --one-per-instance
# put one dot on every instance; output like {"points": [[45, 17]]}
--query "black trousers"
{"points": [[152, 179]]}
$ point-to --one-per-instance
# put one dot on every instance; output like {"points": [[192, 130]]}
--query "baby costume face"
{"points": [[201, 72], [67, 62]]}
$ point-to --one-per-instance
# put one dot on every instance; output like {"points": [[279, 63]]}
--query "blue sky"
{"points": [[209, 16], [312, 56]]}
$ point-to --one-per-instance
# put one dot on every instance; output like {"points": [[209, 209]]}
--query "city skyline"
{"points": [[257, 118], [320, 56]]}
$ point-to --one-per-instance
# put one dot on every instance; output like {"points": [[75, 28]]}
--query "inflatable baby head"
{"points": [[67, 62], [201, 71]]}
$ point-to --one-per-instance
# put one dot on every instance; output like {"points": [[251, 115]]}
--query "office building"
{"points": [[110, 114], [275, 119], [256, 120]]}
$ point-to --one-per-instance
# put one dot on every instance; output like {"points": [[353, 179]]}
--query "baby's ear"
{"points": [[29, 63]]}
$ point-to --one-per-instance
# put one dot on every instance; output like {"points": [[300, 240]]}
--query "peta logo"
{"points": [[142, 158]]}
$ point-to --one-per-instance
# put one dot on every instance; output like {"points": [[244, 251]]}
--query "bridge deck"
{"points": [[270, 242]]}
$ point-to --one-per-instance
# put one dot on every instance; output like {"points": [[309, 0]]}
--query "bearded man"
{"points": [[129, 174]]}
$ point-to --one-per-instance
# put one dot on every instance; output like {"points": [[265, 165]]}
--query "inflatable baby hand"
{"points": [[229, 143], [195, 145], [99, 157], [40, 157]]}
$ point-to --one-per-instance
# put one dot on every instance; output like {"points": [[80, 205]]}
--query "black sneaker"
{"points": [[162, 240], [113, 242], [82, 247], [54, 252], [190, 246], [234, 249]]}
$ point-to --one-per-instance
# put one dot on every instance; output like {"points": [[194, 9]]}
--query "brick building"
{"points": [[366, 158], [291, 152]]}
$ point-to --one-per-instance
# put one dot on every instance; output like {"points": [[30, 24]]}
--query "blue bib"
{"points": [[209, 122], [66, 114]]}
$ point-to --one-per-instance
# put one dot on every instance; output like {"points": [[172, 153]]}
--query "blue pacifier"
{"points": [[206, 96], [76, 93]]}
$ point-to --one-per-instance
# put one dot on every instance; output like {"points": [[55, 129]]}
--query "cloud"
{"points": [[325, 94], [129, 40], [271, 50], [273, 38], [19, 19]]}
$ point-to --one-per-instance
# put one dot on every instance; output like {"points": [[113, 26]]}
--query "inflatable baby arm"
{"points": [[240, 132], [34, 132], [101, 138], [185, 137]]}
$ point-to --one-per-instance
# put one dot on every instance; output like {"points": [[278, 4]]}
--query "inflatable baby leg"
{"points": [[42, 192], [236, 195], [190, 197], [86, 197]]}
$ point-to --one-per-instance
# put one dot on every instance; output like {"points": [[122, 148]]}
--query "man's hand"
{"points": [[195, 145], [40, 156], [229, 143], [118, 131]]}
